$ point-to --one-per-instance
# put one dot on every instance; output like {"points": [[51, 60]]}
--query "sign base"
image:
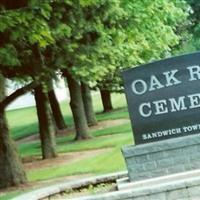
{"points": [[162, 158]]}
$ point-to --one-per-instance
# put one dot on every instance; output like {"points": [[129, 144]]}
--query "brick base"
{"points": [[162, 158]]}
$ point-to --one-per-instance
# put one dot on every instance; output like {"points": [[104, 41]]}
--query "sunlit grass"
{"points": [[66, 143], [110, 161], [10, 195], [23, 122]]}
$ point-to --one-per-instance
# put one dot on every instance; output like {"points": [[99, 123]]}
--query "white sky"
{"points": [[27, 100]]}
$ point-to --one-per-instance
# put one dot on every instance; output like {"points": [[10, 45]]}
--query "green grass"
{"points": [[66, 143], [110, 161], [10, 195], [107, 162], [102, 163], [23, 122], [116, 114], [123, 128], [30, 149], [96, 143]]}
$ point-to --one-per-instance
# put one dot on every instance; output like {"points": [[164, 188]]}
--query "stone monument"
{"points": [[164, 106]]}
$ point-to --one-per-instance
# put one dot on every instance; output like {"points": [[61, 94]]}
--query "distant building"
{"points": [[28, 100]]}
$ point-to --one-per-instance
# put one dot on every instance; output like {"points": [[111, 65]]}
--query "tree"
{"points": [[12, 172], [77, 107], [88, 105], [68, 41], [10, 4], [145, 35], [106, 100], [47, 130], [192, 42], [19, 61], [94, 39], [55, 107], [194, 13], [90, 40]]}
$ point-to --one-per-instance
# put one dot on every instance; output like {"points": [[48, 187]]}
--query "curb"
{"points": [[61, 187]]}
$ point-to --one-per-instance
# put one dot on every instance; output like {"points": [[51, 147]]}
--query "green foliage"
{"points": [[193, 43], [8, 55], [194, 12], [150, 33], [24, 33], [106, 36], [93, 39], [16, 24]]}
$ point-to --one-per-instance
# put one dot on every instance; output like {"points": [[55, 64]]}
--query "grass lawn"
{"points": [[10, 195], [66, 144], [106, 162], [23, 122], [111, 138], [109, 161]]}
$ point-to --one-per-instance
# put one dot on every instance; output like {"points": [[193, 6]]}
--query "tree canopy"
{"points": [[92, 38]]}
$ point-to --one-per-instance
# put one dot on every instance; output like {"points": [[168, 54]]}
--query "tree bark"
{"points": [[10, 4], [106, 100], [56, 111], [88, 106], [46, 128], [9, 99], [11, 170], [76, 104]]}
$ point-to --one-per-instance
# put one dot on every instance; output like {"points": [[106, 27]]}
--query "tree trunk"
{"points": [[10, 4], [11, 169], [46, 128], [77, 107], [88, 106], [56, 111], [106, 100]]}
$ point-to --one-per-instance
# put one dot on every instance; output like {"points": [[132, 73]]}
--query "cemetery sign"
{"points": [[164, 98]]}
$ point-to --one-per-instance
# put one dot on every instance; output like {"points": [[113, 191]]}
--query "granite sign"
{"points": [[164, 98]]}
